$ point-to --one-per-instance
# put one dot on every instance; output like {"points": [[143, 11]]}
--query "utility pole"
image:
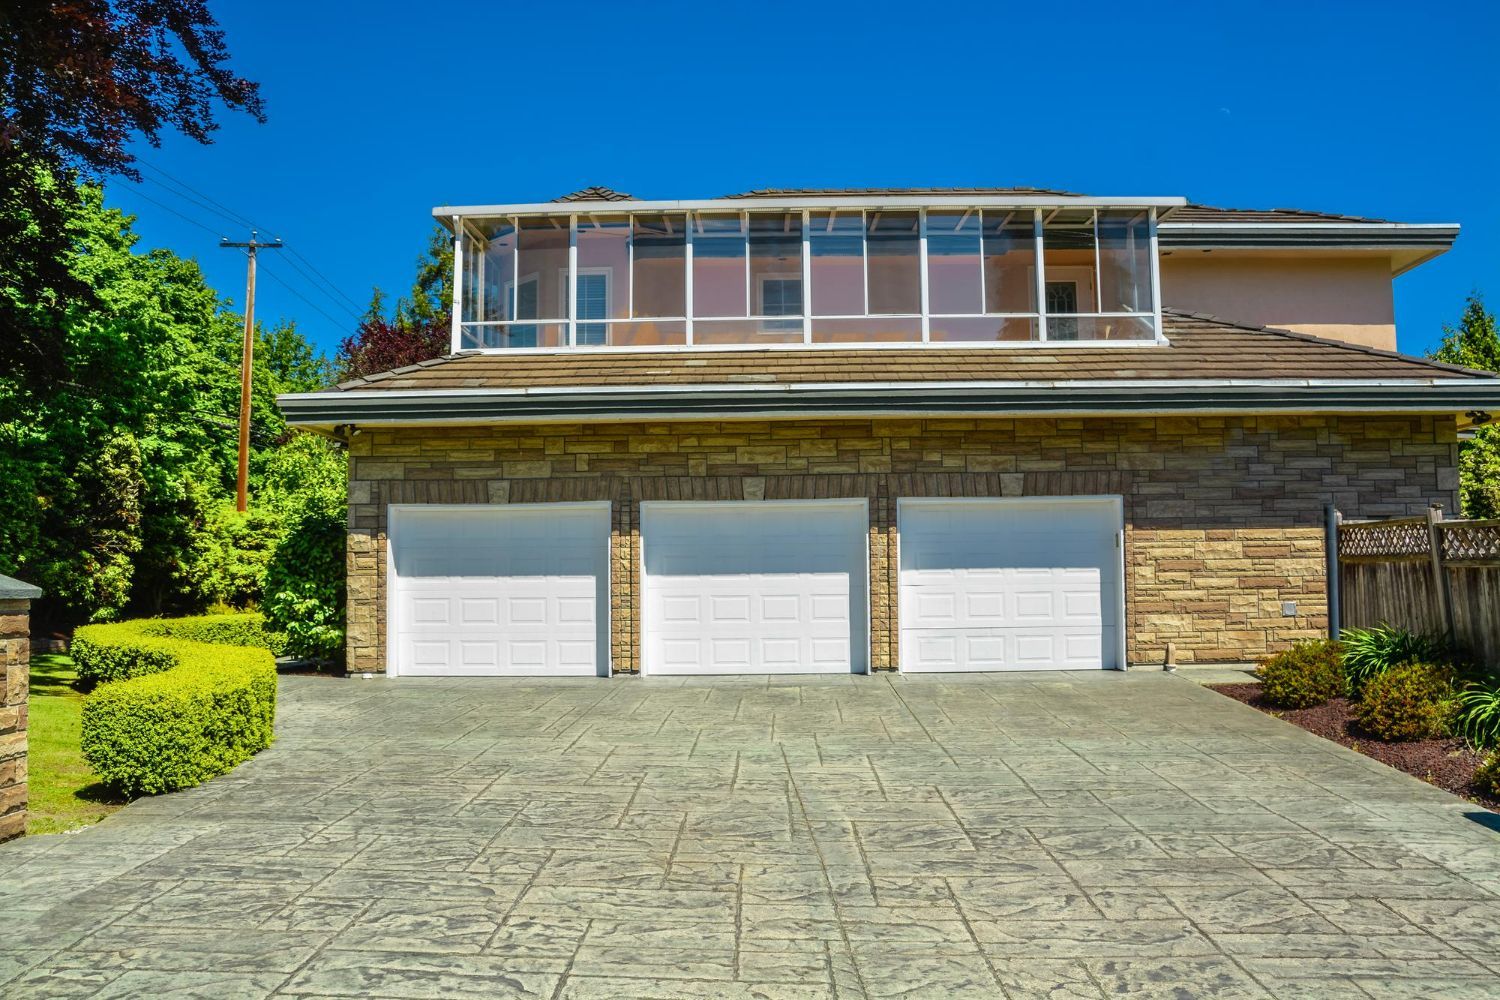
{"points": [[242, 484]]}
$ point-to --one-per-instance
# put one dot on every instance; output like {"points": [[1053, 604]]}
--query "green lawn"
{"points": [[64, 794]]}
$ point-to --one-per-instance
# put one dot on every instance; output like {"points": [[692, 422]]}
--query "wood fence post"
{"points": [[1439, 573]]}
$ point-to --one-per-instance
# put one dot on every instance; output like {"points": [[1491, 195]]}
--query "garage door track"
{"points": [[1029, 835]]}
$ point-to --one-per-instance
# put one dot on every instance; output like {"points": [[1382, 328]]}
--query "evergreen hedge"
{"points": [[171, 712]]}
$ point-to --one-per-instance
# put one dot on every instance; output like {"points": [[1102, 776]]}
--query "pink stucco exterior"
{"points": [[1342, 298]]}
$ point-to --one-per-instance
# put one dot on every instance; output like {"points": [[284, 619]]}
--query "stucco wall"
{"points": [[1223, 515], [1341, 298]]}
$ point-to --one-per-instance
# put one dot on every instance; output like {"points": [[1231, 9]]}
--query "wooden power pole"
{"points": [[242, 484]]}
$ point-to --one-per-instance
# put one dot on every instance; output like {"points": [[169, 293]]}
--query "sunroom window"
{"points": [[739, 275]]}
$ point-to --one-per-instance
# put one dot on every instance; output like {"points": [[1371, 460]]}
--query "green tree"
{"points": [[430, 302], [1475, 343], [290, 361]]}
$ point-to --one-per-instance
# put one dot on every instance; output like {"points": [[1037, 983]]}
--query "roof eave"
{"points": [[446, 213], [1117, 397]]}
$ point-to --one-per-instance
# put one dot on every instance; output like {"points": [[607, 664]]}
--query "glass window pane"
{"points": [[983, 329], [954, 275], [836, 243], [543, 263], [604, 250], [515, 335], [497, 267], [719, 265], [472, 301], [1100, 328], [894, 262], [870, 330], [660, 274], [648, 333], [745, 331], [1068, 254], [1125, 261], [776, 265], [1009, 261]]}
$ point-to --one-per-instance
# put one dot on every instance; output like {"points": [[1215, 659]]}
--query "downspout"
{"points": [[1331, 519]]}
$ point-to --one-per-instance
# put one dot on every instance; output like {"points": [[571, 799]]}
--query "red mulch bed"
{"points": [[1449, 764]]}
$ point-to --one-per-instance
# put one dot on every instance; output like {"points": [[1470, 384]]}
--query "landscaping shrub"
{"points": [[1308, 674], [1370, 652], [1487, 778], [208, 709], [1479, 714], [123, 650], [1411, 701]]}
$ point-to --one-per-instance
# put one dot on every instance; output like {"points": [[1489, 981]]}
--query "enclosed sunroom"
{"points": [[807, 271]]}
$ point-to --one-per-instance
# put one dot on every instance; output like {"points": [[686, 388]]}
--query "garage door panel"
{"points": [[500, 590], [1006, 585], [753, 588]]}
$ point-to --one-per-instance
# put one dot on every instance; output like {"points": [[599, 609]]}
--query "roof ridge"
{"points": [[1328, 342], [373, 377]]}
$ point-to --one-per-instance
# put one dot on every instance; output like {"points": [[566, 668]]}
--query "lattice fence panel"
{"points": [[1476, 541], [1404, 537]]}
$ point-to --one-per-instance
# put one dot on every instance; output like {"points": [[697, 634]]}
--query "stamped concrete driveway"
{"points": [[1015, 836]]}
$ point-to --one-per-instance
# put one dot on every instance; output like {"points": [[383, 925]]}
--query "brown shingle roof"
{"points": [[1185, 214], [1202, 347], [1212, 213], [596, 193]]}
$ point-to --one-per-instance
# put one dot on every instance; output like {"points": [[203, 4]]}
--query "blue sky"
{"points": [[1367, 108]]}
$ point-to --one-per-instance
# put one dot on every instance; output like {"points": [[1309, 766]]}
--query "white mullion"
{"points": [[745, 242], [572, 281], [687, 260], [1098, 269], [806, 276], [630, 264], [455, 332], [513, 300], [864, 256], [1041, 276], [984, 292], [1155, 276], [922, 264]]}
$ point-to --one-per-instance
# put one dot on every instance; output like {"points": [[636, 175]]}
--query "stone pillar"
{"points": [[15, 677]]}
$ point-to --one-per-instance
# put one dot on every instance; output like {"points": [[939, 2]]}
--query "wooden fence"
{"points": [[1424, 573]]}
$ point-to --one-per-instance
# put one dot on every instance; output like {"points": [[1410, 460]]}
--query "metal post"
{"points": [[247, 357], [1439, 572], [1331, 521]]}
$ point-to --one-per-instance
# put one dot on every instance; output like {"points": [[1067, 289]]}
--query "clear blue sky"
{"points": [[1368, 108]]}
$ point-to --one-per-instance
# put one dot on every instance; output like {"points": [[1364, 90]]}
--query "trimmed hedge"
{"points": [[123, 650], [171, 712], [1411, 701]]}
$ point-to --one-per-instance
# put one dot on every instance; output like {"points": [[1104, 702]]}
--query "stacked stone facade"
{"points": [[15, 676], [1223, 515]]}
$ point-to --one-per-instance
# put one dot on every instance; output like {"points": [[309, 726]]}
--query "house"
{"points": [[832, 431]]}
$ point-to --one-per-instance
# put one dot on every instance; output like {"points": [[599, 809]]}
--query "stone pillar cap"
{"points": [[14, 590]]}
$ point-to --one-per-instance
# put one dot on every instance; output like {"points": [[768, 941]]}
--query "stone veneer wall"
{"points": [[1223, 514], [15, 676]]}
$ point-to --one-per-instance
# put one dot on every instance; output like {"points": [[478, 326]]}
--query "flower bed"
{"points": [[1448, 763]]}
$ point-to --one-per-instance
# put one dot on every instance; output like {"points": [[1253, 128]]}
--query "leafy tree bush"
{"points": [[1411, 701], [211, 709], [1370, 652], [304, 588], [1475, 343], [1308, 674]]}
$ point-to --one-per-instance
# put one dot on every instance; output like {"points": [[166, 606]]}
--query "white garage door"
{"points": [[500, 589], [767, 587], [1027, 584]]}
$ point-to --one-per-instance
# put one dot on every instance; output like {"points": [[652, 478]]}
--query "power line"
{"points": [[218, 208], [293, 265], [168, 208], [229, 213], [325, 279], [272, 275]]}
